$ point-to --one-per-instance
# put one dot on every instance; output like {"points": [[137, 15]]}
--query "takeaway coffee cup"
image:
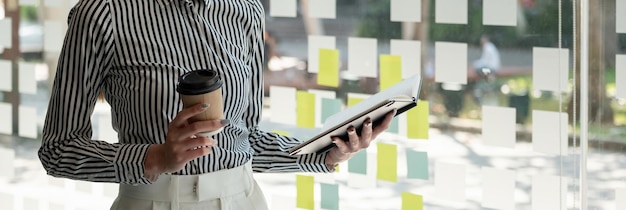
{"points": [[202, 86]]}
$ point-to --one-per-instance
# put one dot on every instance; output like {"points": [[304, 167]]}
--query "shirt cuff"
{"points": [[314, 162], [129, 164]]}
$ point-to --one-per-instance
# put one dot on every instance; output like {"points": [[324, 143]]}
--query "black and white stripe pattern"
{"points": [[134, 52]]}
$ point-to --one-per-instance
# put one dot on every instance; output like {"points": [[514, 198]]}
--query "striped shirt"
{"points": [[134, 52]]}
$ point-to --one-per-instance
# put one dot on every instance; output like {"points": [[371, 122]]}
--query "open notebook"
{"points": [[402, 96]]}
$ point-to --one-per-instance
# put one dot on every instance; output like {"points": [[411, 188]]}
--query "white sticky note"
{"points": [[105, 129], [283, 105], [411, 54], [6, 72], [53, 38], [549, 134], [31, 204], [620, 73], [499, 126], [406, 10], [315, 43], [500, 12], [450, 181], [281, 202], [323, 9], [83, 186], [52, 3], [620, 16], [7, 162], [498, 188], [7, 32], [451, 11], [620, 198], [27, 126], [6, 121], [7, 201], [451, 62], [362, 60], [26, 76], [29, 2], [283, 8], [550, 69], [548, 192], [319, 95], [72, 3], [361, 181]]}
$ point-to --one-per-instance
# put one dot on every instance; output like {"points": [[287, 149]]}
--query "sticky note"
{"points": [[105, 129], [361, 181], [387, 162], [500, 12], [390, 70], [73, 2], [394, 126], [417, 121], [26, 75], [304, 192], [450, 181], [550, 69], [417, 164], [305, 109], [410, 51], [498, 188], [7, 162], [451, 11], [6, 72], [281, 202], [27, 127], [315, 43], [6, 121], [330, 107], [548, 192], [358, 163], [7, 200], [328, 74], [330, 196], [620, 16], [31, 203], [282, 133], [620, 198], [451, 61], [362, 57], [549, 134], [320, 95], [54, 205], [499, 126], [83, 186], [29, 3], [52, 3], [283, 105], [323, 9], [7, 32], [283, 8], [412, 201], [354, 101], [406, 10], [620, 72], [53, 38]]}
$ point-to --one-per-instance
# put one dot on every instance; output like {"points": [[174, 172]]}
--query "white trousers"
{"points": [[232, 189]]}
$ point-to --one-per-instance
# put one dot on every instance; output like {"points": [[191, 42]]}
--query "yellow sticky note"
{"points": [[305, 109], [354, 101], [282, 133], [417, 121], [328, 74], [390, 70], [412, 201], [304, 192], [387, 157]]}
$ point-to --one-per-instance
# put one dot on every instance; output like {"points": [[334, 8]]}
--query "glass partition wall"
{"points": [[521, 103]]}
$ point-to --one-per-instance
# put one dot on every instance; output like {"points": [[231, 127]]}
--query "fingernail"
{"points": [[204, 106], [351, 130], [225, 122], [368, 122]]}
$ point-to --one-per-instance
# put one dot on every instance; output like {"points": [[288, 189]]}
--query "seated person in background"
{"points": [[489, 61]]}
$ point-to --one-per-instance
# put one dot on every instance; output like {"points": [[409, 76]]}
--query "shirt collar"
{"points": [[166, 2]]}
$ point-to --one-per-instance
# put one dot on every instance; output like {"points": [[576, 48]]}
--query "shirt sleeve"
{"points": [[271, 150], [67, 149]]}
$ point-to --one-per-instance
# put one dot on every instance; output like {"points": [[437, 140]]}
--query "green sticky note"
{"points": [[354, 101], [330, 106], [358, 163], [304, 192], [417, 164], [305, 109], [394, 126], [282, 133], [330, 196], [328, 74], [390, 70], [417, 121], [387, 162], [411, 201]]}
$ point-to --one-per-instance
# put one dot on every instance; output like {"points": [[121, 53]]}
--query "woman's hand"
{"points": [[181, 144], [346, 149]]}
